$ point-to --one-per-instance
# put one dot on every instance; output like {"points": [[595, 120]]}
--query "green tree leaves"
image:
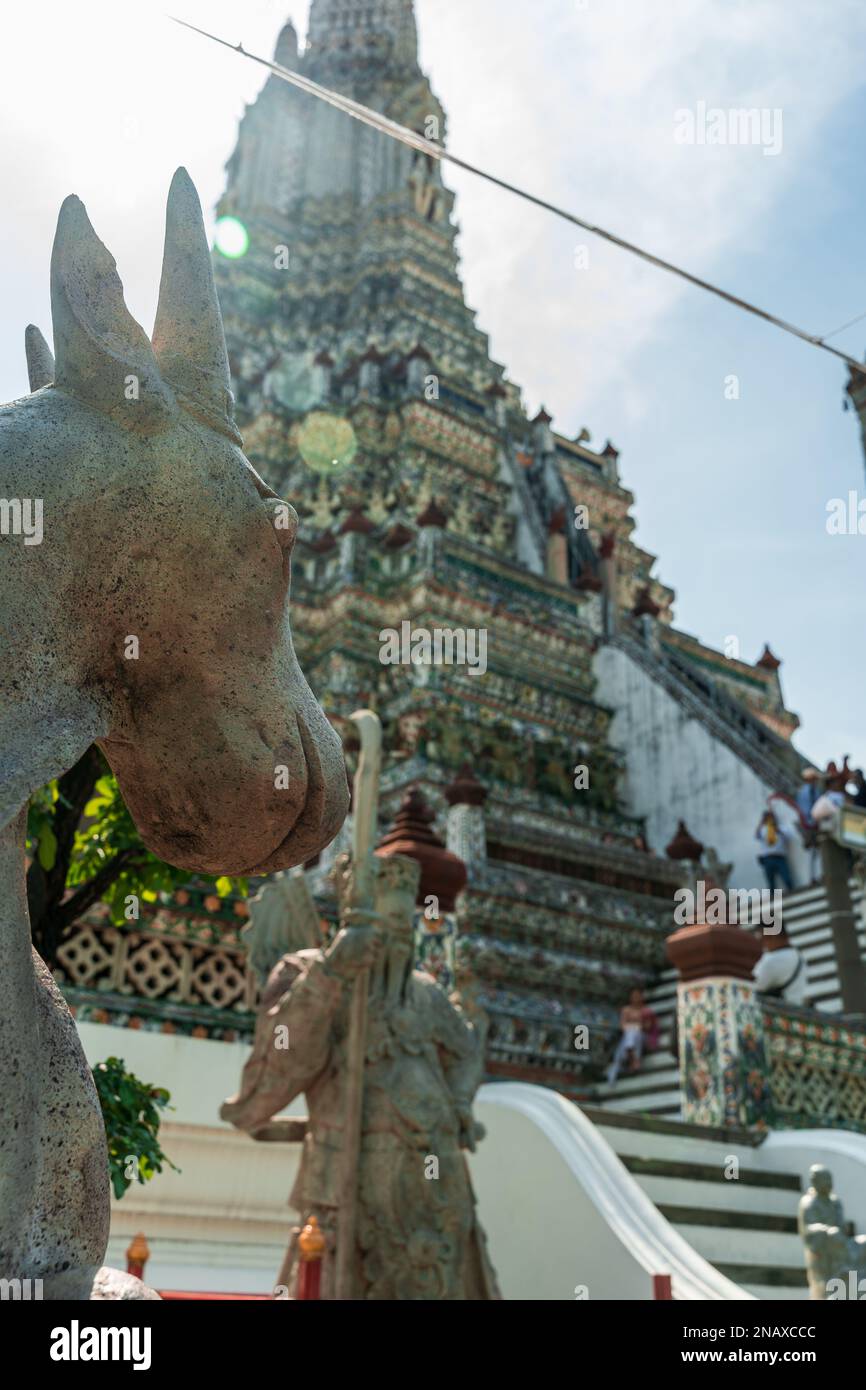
{"points": [[84, 848], [131, 1111]]}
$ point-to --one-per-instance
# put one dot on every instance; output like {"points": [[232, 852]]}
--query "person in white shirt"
{"points": [[827, 805], [781, 971]]}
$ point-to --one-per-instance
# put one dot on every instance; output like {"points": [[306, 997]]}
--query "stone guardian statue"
{"points": [[835, 1261], [417, 1234]]}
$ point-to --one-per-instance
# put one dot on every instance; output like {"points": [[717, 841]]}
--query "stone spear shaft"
{"points": [[361, 902]]}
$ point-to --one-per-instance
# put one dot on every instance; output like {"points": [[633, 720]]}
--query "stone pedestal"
{"points": [[724, 1068]]}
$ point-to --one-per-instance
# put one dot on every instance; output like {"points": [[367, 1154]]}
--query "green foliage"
{"points": [[131, 1111], [107, 834], [41, 840]]}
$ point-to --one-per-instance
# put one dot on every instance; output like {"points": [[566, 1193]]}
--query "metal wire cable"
{"points": [[429, 147]]}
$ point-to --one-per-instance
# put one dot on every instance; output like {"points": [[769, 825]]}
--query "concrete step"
{"points": [[826, 1002], [662, 991], [653, 1103], [745, 1226], [675, 1129], [772, 1280], [692, 1170], [813, 919], [818, 941], [774, 1295], [663, 1071], [729, 1243], [725, 1200], [731, 1219], [644, 1145], [818, 936], [816, 892], [652, 1064]]}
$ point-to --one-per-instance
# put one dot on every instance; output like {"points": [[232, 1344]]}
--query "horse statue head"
{"points": [[148, 608]]}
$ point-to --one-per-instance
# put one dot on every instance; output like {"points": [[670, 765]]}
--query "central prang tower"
{"points": [[368, 397]]}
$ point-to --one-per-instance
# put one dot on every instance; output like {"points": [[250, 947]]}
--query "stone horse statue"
{"points": [[156, 528]]}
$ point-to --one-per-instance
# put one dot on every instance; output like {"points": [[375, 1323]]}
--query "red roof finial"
{"points": [[767, 661], [684, 845], [356, 521], [466, 790], [645, 604], [432, 515], [443, 875]]}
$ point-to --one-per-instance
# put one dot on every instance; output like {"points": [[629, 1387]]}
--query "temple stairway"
{"points": [[655, 1090], [746, 1227]]}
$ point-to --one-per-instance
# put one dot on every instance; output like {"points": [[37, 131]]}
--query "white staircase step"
{"points": [[819, 941], [773, 1295], [828, 1006], [734, 1223], [738, 1245], [661, 1078], [661, 992], [667, 1146], [655, 1103], [659, 1060], [719, 1196]]}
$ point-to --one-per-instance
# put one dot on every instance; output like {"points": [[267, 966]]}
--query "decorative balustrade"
{"points": [[752, 1062], [164, 973], [817, 1069], [516, 1044]]}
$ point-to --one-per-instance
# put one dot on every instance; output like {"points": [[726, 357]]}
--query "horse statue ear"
{"points": [[103, 358], [188, 337], [40, 358]]}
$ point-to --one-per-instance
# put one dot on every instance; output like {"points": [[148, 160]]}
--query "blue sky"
{"points": [[578, 102]]}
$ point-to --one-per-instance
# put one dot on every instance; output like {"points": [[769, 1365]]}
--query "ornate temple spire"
{"points": [[286, 51], [353, 25], [372, 276]]}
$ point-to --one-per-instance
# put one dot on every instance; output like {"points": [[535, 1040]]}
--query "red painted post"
{"points": [[311, 1244], [662, 1287]]}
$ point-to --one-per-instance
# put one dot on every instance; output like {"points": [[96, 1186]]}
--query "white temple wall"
{"points": [[222, 1223], [677, 769]]}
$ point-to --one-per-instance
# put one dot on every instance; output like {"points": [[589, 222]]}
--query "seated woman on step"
{"points": [[640, 1030]]}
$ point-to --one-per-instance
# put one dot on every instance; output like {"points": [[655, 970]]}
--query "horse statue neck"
{"points": [[20, 1058]]}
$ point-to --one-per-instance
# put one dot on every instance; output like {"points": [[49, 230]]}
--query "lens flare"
{"points": [[231, 238], [327, 443]]}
